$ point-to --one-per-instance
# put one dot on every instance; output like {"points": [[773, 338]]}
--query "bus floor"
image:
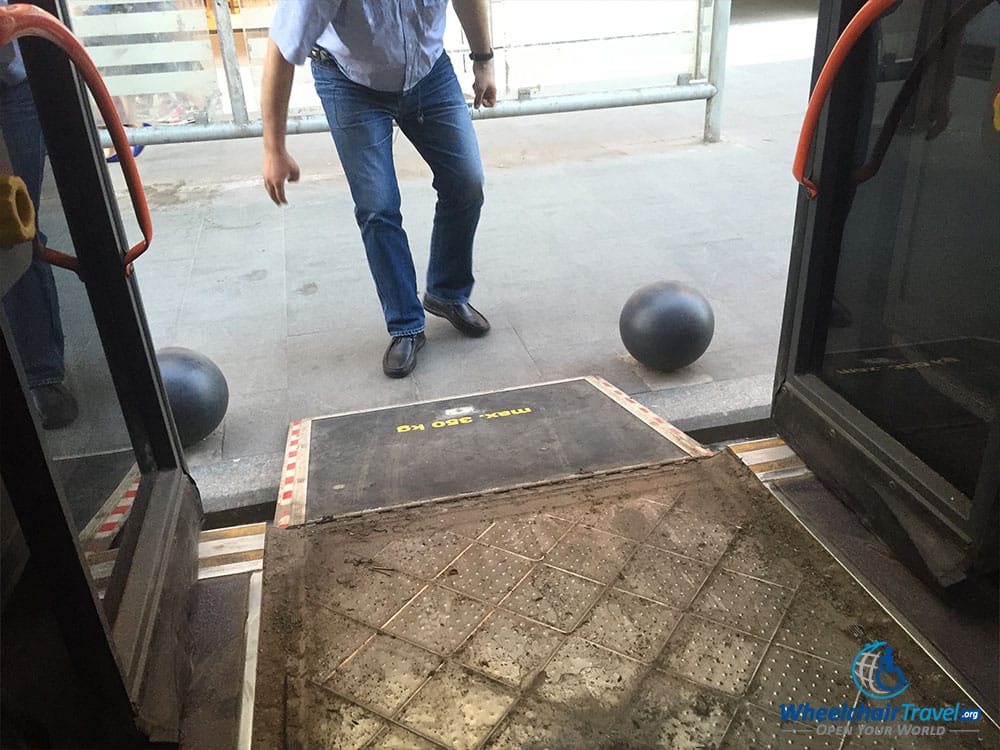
{"points": [[674, 605]]}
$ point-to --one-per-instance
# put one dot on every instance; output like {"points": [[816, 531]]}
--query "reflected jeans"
{"points": [[32, 304], [434, 116]]}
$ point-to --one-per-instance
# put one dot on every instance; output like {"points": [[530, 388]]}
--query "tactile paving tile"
{"points": [[397, 738], [530, 536], [756, 555], [472, 529], [327, 722], [713, 655], [371, 596], [438, 619], [591, 553], [691, 534], [681, 487], [714, 499], [785, 676], [331, 638], [629, 624], [383, 674], [668, 712], [457, 707], [583, 674], [827, 622], [509, 648], [485, 572], [663, 576], [756, 729], [744, 603], [662, 656], [537, 725], [926, 681], [633, 518], [421, 556], [554, 597]]}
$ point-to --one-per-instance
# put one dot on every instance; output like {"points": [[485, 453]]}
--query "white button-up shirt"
{"points": [[386, 45]]}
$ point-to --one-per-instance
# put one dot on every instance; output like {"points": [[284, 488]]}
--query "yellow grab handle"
{"points": [[17, 213]]}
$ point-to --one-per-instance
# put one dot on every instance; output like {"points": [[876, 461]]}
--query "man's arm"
{"points": [[474, 16], [276, 89]]}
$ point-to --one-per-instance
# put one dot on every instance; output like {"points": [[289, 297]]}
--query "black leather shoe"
{"points": [[462, 315], [401, 356], [55, 405]]}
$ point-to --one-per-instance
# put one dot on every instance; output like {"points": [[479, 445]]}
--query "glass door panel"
{"points": [[914, 332], [106, 474], [53, 332]]}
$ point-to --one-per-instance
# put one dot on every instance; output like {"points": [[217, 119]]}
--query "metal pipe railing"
{"points": [[717, 69], [512, 108]]}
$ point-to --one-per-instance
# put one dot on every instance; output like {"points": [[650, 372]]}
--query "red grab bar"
{"points": [[26, 20], [864, 18]]}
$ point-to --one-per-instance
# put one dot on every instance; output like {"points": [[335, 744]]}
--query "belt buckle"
{"points": [[321, 55]]}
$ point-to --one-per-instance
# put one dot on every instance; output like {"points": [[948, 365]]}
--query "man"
{"points": [[32, 303], [376, 62]]}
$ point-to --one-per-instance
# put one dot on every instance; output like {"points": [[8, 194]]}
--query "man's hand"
{"points": [[279, 167], [276, 89], [474, 15], [485, 85]]}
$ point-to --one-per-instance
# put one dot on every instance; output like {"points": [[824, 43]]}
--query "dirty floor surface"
{"points": [[675, 606]]}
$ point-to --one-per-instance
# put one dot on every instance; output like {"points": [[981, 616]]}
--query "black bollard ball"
{"points": [[666, 325], [196, 390]]}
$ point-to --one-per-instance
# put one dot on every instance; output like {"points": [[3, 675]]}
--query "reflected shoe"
{"points": [[462, 315], [401, 356], [55, 405]]}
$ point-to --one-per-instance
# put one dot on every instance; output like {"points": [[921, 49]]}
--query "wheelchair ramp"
{"points": [[673, 606], [398, 455]]}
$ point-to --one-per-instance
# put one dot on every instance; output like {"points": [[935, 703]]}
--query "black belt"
{"points": [[323, 57]]}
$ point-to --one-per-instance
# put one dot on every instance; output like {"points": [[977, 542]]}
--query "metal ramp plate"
{"points": [[674, 606], [354, 462]]}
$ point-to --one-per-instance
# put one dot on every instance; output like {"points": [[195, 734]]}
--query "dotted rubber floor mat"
{"points": [[673, 606]]}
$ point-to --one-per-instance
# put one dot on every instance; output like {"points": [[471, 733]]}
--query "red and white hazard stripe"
{"points": [[679, 438], [286, 490], [115, 517], [290, 509]]}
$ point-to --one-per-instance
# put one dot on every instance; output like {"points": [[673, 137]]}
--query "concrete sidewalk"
{"points": [[581, 210]]}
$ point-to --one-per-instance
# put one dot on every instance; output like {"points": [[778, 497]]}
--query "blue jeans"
{"points": [[433, 115], [32, 304]]}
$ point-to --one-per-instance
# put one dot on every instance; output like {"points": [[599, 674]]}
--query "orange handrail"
{"points": [[26, 20], [949, 34], [864, 18]]}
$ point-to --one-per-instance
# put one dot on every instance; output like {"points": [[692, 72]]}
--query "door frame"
{"points": [[939, 532], [139, 632]]}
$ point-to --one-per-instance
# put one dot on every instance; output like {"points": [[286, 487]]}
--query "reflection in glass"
{"points": [[55, 338], [156, 58], [914, 336]]}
